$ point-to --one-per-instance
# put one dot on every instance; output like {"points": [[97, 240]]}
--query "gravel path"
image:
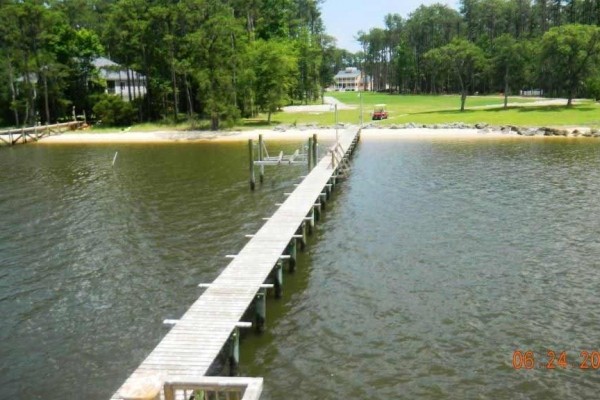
{"points": [[319, 108]]}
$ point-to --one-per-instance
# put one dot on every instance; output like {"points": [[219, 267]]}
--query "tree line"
{"points": [[221, 60], [488, 46], [213, 59]]}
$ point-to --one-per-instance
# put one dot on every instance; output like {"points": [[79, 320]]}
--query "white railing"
{"points": [[213, 388], [151, 386]]}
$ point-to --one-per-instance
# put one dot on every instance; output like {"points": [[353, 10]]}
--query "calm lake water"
{"points": [[436, 261]]}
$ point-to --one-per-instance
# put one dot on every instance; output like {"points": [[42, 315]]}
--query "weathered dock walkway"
{"points": [[11, 137], [183, 358]]}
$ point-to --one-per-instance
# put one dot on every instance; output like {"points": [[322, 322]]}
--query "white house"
{"points": [[350, 79], [121, 81]]}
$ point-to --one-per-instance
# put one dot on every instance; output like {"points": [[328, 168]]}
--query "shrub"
{"points": [[113, 111]]}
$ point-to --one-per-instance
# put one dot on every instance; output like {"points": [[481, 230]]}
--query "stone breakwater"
{"points": [[481, 127]]}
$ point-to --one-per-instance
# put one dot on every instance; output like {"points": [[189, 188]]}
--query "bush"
{"points": [[113, 111], [593, 88]]}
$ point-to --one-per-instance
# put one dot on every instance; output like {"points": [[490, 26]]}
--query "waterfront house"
{"points": [[350, 79], [121, 81]]}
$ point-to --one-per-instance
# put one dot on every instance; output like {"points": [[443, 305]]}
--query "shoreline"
{"points": [[287, 135]]}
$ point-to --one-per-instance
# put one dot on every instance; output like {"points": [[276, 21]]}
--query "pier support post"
{"points": [[317, 211], [260, 158], [309, 153], [260, 310], [293, 253], [278, 279], [303, 233], [251, 165], [311, 221], [314, 150], [323, 197], [234, 352]]}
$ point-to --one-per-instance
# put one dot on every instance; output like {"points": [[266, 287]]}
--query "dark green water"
{"points": [[435, 262]]}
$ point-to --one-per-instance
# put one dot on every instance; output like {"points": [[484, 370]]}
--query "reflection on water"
{"points": [[435, 262]]}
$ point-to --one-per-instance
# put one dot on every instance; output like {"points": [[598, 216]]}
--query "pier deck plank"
{"points": [[195, 341]]}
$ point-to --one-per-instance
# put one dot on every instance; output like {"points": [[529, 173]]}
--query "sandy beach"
{"points": [[268, 134]]}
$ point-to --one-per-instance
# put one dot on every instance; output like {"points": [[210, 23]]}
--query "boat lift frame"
{"points": [[308, 157]]}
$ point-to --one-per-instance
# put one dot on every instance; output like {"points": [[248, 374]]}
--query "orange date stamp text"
{"points": [[555, 360]]}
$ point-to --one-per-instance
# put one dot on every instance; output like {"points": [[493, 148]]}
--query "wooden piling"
{"points": [[260, 158], [303, 233], [333, 160], [251, 164], [292, 251], [234, 352], [278, 279], [323, 197], [314, 149], [260, 310], [309, 154], [317, 211], [311, 221]]}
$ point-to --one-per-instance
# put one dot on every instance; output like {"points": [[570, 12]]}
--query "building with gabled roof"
{"points": [[350, 79], [120, 80]]}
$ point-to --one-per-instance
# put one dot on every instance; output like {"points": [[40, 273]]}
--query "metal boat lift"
{"points": [[291, 159], [308, 155]]}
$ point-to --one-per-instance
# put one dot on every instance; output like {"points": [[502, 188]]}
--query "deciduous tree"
{"points": [[466, 61], [571, 53], [276, 68]]}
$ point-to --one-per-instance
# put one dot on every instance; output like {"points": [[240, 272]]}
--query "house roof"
{"points": [[111, 71], [103, 62], [348, 73]]}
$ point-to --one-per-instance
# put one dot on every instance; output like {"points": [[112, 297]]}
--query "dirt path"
{"points": [[319, 108]]}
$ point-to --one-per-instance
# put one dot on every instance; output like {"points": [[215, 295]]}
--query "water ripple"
{"points": [[440, 259], [92, 257]]}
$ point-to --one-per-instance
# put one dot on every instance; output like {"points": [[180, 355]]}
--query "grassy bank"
{"points": [[404, 109], [153, 127], [444, 109]]}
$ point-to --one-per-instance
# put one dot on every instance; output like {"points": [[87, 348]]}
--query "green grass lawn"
{"points": [[417, 103], [425, 109], [154, 126], [422, 109]]}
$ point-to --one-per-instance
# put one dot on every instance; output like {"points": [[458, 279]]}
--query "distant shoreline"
{"points": [[291, 134]]}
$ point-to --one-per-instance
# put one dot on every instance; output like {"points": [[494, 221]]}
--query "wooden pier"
{"points": [[178, 365], [11, 137]]}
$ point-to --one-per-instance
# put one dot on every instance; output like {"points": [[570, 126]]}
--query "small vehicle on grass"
{"points": [[379, 112]]}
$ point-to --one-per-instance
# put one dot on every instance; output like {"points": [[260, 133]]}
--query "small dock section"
{"points": [[11, 137], [179, 363]]}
